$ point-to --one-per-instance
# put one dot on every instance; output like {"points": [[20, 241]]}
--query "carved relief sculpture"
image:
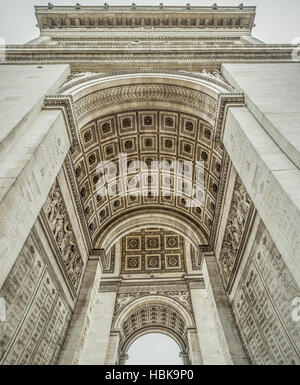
{"points": [[63, 236], [239, 213]]}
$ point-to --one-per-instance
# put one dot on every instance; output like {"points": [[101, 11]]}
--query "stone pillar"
{"points": [[113, 347], [228, 335], [194, 348], [81, 319], [122, 359], [210, 346], [33, 146], [98, 336]]}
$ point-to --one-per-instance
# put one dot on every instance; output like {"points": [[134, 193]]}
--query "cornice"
{"points": [[192, 47], [148, 17], [140, 9], [45, 55]]}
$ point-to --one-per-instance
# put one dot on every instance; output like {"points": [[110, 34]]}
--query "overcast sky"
{"points": [[277, 21], [154, 349]]}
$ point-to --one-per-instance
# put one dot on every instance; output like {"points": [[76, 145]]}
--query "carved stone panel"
{"points": [[182, 296], [263, 308], [63, 238], [37, 315], [235, 231], [152, 250]]}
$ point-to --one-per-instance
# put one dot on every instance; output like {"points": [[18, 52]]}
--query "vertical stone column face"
{"points": [[210, 345], [81, 319], [194, 348], [98, 337], [112, 351]]}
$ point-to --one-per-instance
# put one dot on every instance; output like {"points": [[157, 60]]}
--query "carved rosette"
{"points": [[236, 228]]}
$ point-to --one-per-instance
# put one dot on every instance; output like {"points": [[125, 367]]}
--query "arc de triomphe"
{"points": [[84, 272]]}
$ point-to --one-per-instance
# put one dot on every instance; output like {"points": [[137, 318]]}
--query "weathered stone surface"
{"points": [[272, 95], [271, 179], [262, 305]]}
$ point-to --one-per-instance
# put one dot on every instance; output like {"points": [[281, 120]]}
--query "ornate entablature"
{"points": [[263, 305], [146, 134], [144, 17], [92, 38]]}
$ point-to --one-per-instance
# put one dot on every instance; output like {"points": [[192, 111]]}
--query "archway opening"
{"points": [[154, 349]]}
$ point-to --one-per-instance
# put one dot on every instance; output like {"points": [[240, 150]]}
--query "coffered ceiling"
{"points": [[151, 251], [147, 135]]}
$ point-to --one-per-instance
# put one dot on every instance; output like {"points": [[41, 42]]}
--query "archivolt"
{"points": [[91, 97], [141, 220], [154, 313]]}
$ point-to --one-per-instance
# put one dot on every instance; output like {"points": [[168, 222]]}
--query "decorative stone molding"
{"points": [[146, 17], [65, 104], [263, 305], [37, 312], [109, 285], [148, 220], [181, 296], [107, 259], [62, 236], [213, 76], [140, 93], [201, 56]]}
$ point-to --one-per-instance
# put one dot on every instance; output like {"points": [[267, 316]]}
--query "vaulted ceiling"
{"points": [[148, 135]]}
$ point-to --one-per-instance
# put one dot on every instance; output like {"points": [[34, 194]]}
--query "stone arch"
{"points": [[139, 220], [93, 96], [150, 314]]}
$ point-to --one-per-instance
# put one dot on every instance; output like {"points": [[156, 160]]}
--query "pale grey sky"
{"points": [[154, 349], [277, 21]]}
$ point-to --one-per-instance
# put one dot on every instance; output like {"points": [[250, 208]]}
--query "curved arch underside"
{"points": [[153, 314], [147, 117], [149, 136]]}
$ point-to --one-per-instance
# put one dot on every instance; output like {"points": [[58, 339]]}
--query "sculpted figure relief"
{"points": [[63, 235], [236, 223]]}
